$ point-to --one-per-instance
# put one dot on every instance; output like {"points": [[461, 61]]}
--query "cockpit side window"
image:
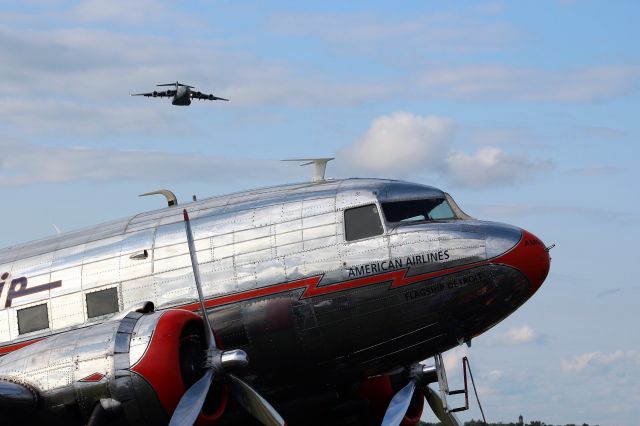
{"points": [[418, 210], [362, 222]]}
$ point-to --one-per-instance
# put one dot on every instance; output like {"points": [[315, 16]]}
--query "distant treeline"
{"points": [[481, 423]]}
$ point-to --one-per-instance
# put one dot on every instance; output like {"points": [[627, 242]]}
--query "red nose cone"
{"points": [[531, 258]]}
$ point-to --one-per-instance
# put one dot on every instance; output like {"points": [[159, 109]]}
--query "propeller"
{"points": [[399, 404], [445, 417], [420, 377], [216, 362]]}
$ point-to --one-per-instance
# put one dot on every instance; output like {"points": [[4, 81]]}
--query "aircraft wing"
{"points": [[200, 95], [160, 94]]}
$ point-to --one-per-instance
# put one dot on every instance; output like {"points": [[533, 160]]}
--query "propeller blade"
{"points": [[190, 405], [399, 405], [251, 400], [446, 418], [211, 341]]}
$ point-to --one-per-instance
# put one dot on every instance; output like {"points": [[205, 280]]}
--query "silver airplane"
{"points": [[181, 94], [321, 299]]}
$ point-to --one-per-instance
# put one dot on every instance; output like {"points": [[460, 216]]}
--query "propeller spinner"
{"points": [[217, 361]]}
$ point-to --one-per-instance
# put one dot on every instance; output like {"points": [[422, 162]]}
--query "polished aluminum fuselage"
{"points": [[281, 281]]}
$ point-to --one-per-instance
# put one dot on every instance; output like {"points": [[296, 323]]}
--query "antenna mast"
{"points": [[319, 166]]}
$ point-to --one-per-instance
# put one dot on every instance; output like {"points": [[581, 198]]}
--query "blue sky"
{"points": [[526, 112]]}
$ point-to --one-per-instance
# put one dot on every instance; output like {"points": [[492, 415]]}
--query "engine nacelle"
{"points": [[132, 370], [211, 97], [154, 94]]}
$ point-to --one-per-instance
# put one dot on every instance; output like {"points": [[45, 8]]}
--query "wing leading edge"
{"points": [[210, 97], [154, 94]]}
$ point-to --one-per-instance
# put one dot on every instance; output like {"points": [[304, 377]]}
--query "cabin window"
{"points": [[33, 318], [362, 222], [102, 302], [418, 210]]}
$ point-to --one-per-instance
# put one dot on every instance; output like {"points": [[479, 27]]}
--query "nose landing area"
{"points": [[531, 258]]}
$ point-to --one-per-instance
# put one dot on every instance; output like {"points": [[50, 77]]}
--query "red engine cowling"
{"points": [[172, 363], [379, 392]]}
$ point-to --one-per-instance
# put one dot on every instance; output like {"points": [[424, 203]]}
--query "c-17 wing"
{"points": [[200, 95], [154, 94]]}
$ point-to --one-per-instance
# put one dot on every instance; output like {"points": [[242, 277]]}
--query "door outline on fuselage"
{"points": [[386, 242]]}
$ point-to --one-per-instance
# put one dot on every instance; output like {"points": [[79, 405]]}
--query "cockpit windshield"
{"points": [[418, 210]]}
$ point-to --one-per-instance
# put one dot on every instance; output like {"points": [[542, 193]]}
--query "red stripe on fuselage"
{"points": [[397, 278], [10, 348], [95, 377]]}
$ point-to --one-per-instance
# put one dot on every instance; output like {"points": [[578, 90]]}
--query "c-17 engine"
{"points": [[131, 370]]}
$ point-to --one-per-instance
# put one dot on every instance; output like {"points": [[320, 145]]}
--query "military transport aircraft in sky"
{"points": [[321, 299], [181, 94]]}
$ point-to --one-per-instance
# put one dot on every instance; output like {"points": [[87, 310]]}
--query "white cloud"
{"points": [[513, 336], [524, 334], [403, 144], [453, 360], [455, 373], [599, 359], [488, 166], [493, 375]]}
